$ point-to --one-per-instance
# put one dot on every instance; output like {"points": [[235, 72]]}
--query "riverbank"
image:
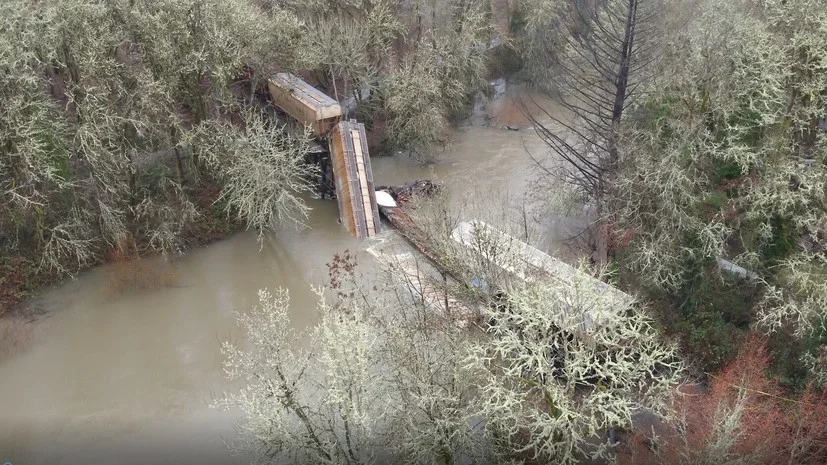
{"points": [[22, 278]]}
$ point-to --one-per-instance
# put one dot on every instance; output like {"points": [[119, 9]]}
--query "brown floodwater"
{"points": [[116, 374]]}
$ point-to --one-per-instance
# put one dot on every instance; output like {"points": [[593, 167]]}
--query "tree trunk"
{"points": [[622, 82]]}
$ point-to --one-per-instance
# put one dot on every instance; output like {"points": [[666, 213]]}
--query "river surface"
{"points": [[112, 374]]}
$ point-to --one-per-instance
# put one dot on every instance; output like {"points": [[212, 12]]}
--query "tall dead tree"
{"points": [[606, 57]]}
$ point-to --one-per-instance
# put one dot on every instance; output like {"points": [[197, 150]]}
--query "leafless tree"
{"points": [[600, 71]]}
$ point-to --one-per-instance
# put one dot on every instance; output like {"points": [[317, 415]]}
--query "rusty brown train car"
{"points": [[304, 103]]}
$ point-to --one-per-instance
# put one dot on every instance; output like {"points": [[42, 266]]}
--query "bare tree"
{"points": [[600, 71], [261, 166]]}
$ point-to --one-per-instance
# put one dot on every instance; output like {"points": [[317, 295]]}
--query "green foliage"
{"points": [[709, 339], [19, 280], [744, 127], [718, 166], [788, 366], [813, 361], [519, 19], [714, 315], [154, 175], [716, 200], [781, 242], [52, 140], [504, 61], [724, 170]]}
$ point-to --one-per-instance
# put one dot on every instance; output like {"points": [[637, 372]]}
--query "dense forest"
{"points": [[695, 132], [133, 126]]}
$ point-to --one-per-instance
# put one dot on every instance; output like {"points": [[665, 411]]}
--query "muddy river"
{"points": [[113, 374]]}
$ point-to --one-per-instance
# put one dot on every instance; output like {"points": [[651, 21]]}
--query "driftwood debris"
{"points": [[406, 226], [403, 194], [397, 215]]}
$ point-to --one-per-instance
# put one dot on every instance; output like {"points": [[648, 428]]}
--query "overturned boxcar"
{"points": [[304, 103]]}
